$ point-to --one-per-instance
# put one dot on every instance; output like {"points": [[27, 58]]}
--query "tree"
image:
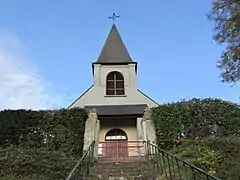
{"points": [[226, 17]]}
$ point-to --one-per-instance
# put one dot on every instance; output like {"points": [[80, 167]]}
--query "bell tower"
{"points": [[115, 59]]}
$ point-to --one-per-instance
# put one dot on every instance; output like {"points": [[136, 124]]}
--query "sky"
{"points": [[47, 47]]}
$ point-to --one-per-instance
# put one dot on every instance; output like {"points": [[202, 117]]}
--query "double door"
{"points": [[116, 148]]}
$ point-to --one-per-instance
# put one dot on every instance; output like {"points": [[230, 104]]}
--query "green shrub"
{"points": [[54, 130], [196, 152], [40, 144], [229, 147], [218, 156], [195, 119], [34, 164], [204, 132]]}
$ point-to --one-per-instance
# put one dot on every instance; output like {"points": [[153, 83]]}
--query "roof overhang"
{"points": [[119, 110]]}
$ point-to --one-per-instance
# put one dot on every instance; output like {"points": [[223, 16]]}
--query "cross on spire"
{"points": [[114, 17]]}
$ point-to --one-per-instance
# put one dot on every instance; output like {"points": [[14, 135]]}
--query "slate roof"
{"points": [[114, 50], [112, 110]]}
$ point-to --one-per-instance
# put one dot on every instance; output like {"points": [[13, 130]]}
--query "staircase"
{"points": [[154, 164], [130, 169]]}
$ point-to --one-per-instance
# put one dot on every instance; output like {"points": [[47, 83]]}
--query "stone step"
{"points": [[124, 165], [136, 177], [123, 171], [123, 159], [135, 170]]}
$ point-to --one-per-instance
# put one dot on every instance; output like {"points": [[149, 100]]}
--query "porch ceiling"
{"points": [[111, 110]]}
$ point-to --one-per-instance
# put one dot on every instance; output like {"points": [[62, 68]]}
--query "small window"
{"points": [[115, 84]]}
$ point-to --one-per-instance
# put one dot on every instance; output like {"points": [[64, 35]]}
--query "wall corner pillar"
{"points": [[92, 128], [148, 126]]}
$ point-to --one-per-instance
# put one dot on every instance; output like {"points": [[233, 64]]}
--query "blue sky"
{"points": [[47, 47]]}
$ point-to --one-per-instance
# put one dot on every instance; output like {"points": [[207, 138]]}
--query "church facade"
{"points": [[119, 113]]}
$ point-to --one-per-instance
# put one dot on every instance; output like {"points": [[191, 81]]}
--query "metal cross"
{"points": [[113, 17]]}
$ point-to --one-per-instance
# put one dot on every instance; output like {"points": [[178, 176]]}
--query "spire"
{"points": [[114, 50]]}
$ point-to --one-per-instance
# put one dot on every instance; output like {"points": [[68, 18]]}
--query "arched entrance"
{"points": [[116, 143]]}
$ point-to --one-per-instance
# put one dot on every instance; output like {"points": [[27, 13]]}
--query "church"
{"points": [[119, 136], [119, 113]]}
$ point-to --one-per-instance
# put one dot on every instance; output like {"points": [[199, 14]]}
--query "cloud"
{"points": [[21, 84]]}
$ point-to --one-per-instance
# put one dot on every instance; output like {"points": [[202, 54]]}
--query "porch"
{"points": [[118, 136]]}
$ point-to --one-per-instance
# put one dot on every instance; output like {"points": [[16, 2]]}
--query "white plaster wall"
{"points": [[97, 94], [101, 71], [128, 125]]}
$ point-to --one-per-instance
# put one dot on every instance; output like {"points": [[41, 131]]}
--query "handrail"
{"points": [[169, 165], [83, 165]]}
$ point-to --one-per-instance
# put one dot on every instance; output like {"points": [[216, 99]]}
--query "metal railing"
{"points": [[170, 167], [82, 168], [119, 151]]}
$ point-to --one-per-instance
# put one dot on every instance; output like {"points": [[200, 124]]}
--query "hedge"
{"points": [[229, 147], [205, 132], [44, 142], [218, 156], [195, 118], [34, 164]]}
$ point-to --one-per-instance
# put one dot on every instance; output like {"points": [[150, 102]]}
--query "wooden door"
{"points": [[122, 148], [116, 149]]}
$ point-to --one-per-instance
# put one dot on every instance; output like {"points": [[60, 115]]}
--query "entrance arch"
{"points": [[116, 135], [116, 143]]}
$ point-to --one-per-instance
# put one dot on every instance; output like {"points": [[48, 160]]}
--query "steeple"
{"points": [[114, 50]]}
